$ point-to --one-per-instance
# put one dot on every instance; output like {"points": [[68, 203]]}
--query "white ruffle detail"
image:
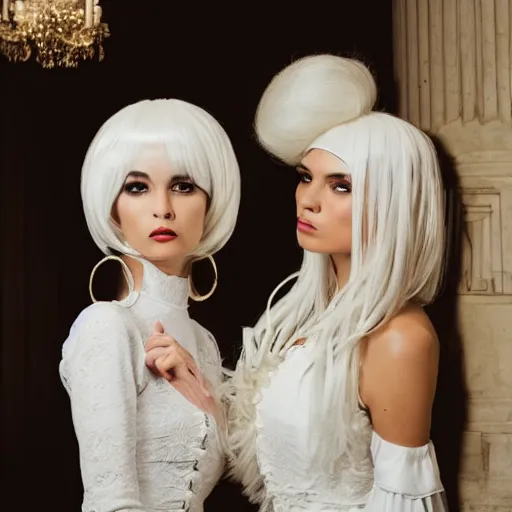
{"points": [[405, 479], [240, 393]]}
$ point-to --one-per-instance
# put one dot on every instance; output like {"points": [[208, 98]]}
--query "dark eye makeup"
{"points": [[340, 183], [179, 184]]}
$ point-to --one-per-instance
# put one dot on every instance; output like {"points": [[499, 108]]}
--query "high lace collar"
{"points": [[163, 287]]}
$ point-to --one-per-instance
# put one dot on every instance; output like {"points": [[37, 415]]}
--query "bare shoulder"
{"points": [[408, 336], [398, 379]]}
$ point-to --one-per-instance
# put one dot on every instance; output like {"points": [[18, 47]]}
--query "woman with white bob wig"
{"points": [[161, 190], [330, 403]]}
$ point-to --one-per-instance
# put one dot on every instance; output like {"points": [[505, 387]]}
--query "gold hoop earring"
{"points": [[126, 272], [191, 288]]}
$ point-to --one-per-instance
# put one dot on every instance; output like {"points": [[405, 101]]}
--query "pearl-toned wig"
{"points": [[326, 102], [196, 145]]}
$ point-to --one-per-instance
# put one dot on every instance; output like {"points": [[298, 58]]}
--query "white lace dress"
{"points": [[391, 479], [143, 446]]}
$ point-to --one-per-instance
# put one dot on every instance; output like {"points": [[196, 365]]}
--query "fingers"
{"points": [[159, 328], [175, 354], [169, 359], [173, 361], [182, 361], [153, 355], [159, 341], [162, 370], [166, 358], [195, 390]]}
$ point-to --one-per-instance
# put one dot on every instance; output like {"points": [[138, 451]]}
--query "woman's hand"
{"points": [[167, 358]]}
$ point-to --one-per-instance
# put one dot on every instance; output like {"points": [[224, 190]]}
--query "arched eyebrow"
{"points": [[174, 178], [138, 174], [334, 175]]}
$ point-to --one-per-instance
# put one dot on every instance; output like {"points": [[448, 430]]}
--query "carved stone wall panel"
{"points": [[453, 67], [490, 494], [474, 460], [490, 415], [487, 333], [474, 143], [453, 64], [453, 60], [482, 271], [485, 473], [487, 234]]}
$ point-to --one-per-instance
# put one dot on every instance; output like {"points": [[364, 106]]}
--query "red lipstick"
{"points": [[304, 226], [163, 234]]}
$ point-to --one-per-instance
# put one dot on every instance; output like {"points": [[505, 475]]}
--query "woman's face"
{"points": [[324, 204], [154, 198]]}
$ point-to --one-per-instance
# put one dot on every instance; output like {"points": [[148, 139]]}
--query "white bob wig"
{"points": [[196, 145], [326, 102]]}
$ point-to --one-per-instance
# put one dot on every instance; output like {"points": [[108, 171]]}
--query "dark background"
{"points": [[217, 57]]}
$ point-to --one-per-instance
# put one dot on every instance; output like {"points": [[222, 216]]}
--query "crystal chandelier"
{"points": [[60, 33]]}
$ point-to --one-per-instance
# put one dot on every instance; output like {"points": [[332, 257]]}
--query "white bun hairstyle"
{"points": [[308, 98]]}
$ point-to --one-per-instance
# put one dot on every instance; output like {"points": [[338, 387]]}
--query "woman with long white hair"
{"points": [[160, 189], [329, 407]]}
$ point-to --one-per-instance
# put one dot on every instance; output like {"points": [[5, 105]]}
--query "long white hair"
{"points": [[196, 145], [326, 102]]}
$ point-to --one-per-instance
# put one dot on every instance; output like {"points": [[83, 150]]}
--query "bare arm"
{"points": [[398, 379]]}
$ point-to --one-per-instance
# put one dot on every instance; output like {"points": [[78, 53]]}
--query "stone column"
{"points": [[453, 63]]}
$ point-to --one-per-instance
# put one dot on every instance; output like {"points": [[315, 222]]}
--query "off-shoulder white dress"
{"points": [[143, 446], [390, 479]]}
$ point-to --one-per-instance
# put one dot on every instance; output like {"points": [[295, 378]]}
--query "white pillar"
{"points": [[453, 67]]}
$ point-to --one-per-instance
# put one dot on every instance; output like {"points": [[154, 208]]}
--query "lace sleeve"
{"points": [[101, 370], [406, 479]]}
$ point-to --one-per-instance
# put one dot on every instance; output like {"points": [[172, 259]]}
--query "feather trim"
{"points": [[241, 392]]}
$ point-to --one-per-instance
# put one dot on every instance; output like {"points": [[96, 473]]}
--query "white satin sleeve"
{"points": [[405, 479]]}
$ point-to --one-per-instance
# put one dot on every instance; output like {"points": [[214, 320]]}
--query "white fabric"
{"points": [[143, 446], [390, 478]]}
